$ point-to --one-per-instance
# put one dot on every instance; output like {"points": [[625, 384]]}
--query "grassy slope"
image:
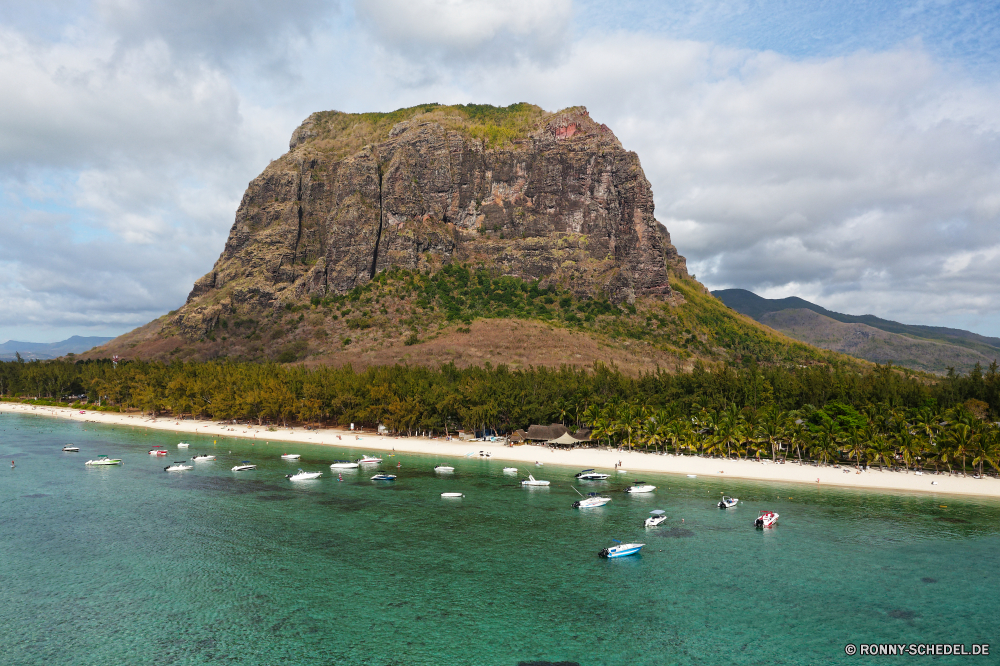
{"points": [[468, 315]]}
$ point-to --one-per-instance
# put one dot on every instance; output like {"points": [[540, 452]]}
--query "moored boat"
{"points": [[591, 501], [203, 457], [303, 476], [640, 487], [510, 470], [621, 550], [452, 495], [244, 466], [532, 481], [444, 469], [765, 519], [71, 448], [659, 515], [104, 460], [182, 445], [158, 451], [178, 466], [384, 477], [591, 475], [290, 456], [369, 460], [343, 464], [728, 502]]}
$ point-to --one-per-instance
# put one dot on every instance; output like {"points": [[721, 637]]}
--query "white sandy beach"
{"points": [[603, 459]]}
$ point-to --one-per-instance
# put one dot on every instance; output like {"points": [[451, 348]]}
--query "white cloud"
{"points": [[480, 30]]}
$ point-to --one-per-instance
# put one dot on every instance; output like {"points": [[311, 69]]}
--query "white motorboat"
{"points": [[303, 476], [244, 466], [444, 469], [728, 502], [591, 475], [510, 470], [158, 451], [766, 519], [104, 460], [659, 515], [692, 476], [290, 456], [182, 445], [343, 464], [178, 466], [532, 481], [591, 501], [203, 457], [369, 460], [71, 448], [452, 495], [622, 549], [384, 477], [640, 487]]}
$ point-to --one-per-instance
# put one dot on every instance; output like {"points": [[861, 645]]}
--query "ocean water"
{"points": [[133, 565]]}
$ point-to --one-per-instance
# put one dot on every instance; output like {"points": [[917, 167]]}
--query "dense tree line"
{"points": [[883, 417]]}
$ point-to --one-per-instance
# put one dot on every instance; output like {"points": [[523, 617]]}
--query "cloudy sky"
{"points": [[844, 151]]}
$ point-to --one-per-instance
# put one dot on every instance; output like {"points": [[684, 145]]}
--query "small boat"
{"points": [[290, 456], [384, 477], [452, 495], [765, 519], [510, 470], [591, 475], [71, 448], [692, 476], [728, 502], [640, 487], [158, 452], [244, 466], [303, 476], [178, 466], [343, 464], [659, 515], [104, 460], [444, 469], [532, 481], [591, 501], [369, 460], [203, 457], [621, 550], [182, 445]]}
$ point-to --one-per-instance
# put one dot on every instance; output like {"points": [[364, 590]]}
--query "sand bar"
{"points": [[633, 462]]}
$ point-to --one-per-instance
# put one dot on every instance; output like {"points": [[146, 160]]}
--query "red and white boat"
{"points": [[158, 452], [766, 519]]}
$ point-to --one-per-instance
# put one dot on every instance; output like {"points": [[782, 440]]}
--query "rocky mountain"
{"points": [[436, 233], [929, 348]]}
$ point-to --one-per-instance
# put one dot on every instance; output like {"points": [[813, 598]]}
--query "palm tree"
{"points": [[960, 440]]}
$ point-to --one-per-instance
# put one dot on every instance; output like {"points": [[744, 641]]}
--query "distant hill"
{"points": [[928, 348], [43, 350]]}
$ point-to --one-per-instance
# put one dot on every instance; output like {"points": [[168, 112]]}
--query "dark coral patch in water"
{"points": [[548, 663], [902, 614], [925, 579], [945, 519], [34, 495]]}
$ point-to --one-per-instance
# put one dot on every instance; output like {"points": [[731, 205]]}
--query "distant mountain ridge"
{"points": [[922, 347], [45, 350]]}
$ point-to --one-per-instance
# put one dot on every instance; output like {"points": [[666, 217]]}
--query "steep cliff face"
{"points": [[552, 197]]}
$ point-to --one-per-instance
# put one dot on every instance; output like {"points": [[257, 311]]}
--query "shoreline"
{"points": [[632, 461]]}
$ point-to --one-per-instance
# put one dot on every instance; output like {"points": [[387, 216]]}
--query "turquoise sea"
{"points": [[133, 565]]}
